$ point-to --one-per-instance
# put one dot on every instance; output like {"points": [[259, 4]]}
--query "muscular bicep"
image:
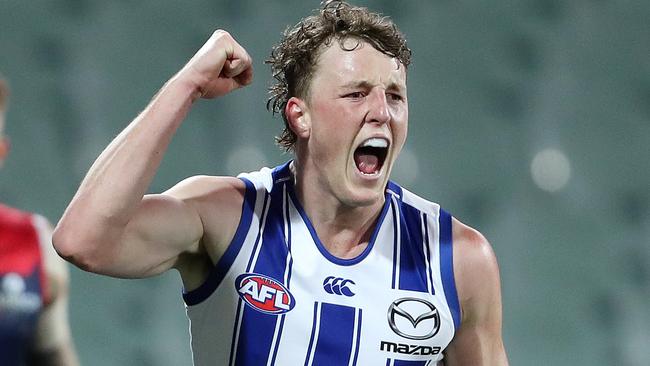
{"points": [[185, 227], [478, 341], [162, 228]]}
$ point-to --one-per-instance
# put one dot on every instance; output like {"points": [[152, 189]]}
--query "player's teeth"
{"points": [[375, 142]]}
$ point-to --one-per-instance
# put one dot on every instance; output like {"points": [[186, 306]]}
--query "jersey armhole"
{"points": [[447, 266], [219, 270]]}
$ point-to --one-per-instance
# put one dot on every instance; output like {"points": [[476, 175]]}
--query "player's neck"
{"points": [[344, 230]]}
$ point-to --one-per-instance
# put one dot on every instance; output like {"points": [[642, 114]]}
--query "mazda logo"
{"points": [[413, 318]]}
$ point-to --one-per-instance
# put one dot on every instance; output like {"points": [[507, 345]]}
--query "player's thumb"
{"points": [[232, 68]]}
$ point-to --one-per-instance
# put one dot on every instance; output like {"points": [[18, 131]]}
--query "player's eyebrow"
{"points": [[364, 84]]}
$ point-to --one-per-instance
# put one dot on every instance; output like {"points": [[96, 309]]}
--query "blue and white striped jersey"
{"points": [[278, 297]]}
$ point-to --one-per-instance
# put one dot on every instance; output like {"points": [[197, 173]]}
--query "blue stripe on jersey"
{"points": [[218, 272], [358, 342], [314, 325], [410, 363], [257, 329], [395, 189], [281, 172], [447, 266], [335, 337], [412, 265], [427, 251], [273, 253], [288, 225], [287, 283], [277, 341], [235, 333], [396, 222], [255, 337]]}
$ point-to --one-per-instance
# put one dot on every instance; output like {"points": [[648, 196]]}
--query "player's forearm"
{"points": [[115, 184]]}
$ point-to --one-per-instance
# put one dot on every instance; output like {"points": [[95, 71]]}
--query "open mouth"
{"points": [[369, 157]]}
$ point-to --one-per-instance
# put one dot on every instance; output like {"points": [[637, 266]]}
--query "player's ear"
{"points": [[298, 117]]}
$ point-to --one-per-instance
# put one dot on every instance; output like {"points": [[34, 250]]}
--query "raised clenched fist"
{"points": [[219, 67]]}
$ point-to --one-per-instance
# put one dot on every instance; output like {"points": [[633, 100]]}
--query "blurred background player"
{"points": [[34, 328]]}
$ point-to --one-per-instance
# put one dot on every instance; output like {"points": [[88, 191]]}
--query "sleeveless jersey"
{"points": [[278, 297], [22, 283]]}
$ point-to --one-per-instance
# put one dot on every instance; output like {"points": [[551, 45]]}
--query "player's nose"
{"points": [[378, 110]]}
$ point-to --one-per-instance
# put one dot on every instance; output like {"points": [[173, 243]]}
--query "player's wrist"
{"points": [[185, 85]]}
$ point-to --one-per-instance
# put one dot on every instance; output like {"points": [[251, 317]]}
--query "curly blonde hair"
{"points": [[293, 60]]}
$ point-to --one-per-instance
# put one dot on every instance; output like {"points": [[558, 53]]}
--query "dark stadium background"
{"points": [[529, 119]]}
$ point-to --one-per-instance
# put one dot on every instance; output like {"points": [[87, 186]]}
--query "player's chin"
{"points": [[364, 189], [363, 195]]}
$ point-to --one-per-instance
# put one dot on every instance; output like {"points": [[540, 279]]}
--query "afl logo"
{"points": [[264, 294]]}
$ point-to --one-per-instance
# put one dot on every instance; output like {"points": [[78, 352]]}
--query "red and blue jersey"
{"points": [[278, 297], [22, 284]]}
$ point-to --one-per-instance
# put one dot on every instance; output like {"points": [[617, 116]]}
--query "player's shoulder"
{"points": [[471, 245], [475, 265], [200, 187], [467, 235], [266, 178], [207, 185]]}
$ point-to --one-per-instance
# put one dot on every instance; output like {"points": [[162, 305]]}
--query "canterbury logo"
{"points": [[338, 286]]}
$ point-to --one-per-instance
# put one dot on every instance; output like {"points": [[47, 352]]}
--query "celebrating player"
{"points": [[320, 261]]}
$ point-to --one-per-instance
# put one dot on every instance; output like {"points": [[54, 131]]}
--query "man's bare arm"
{"points": [[110, 227], [478, 341]]}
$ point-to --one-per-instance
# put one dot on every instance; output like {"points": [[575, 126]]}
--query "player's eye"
{"points": [[395, 97], [357, 94]]}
